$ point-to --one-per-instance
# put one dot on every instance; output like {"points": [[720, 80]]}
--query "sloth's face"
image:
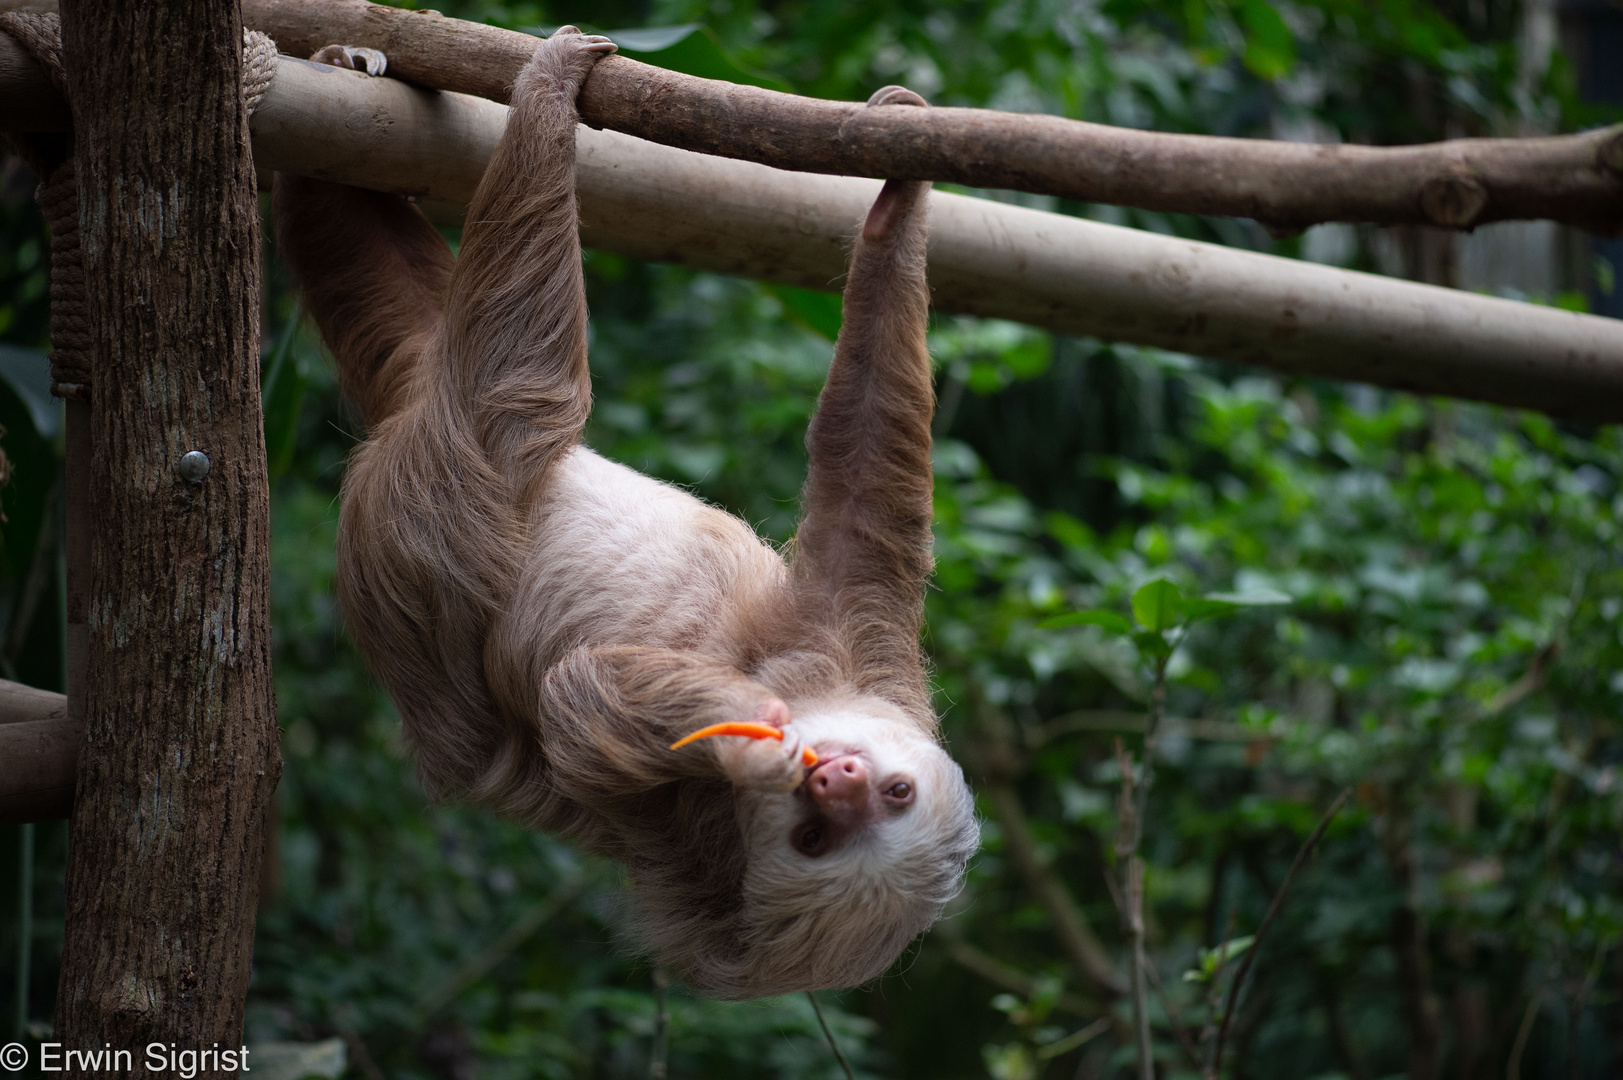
{"points": [[847, 869], [868, 780], [844, 796], [876, 774]]}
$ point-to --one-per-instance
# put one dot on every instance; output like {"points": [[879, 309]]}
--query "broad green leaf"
{"points": [[1210, 958], [1270, 51], [818, 311], [1216, 605], [1204, 607], [1152, 644], [1158, 605], [1108, 621]]}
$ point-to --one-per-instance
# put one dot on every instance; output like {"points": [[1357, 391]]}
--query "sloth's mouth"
{"points": [[828, 755]]}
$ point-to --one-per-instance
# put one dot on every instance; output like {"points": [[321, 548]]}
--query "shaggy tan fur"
{"points": [[549, 622]]}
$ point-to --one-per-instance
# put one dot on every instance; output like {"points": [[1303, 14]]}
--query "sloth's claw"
{"points": [[354, 57], [896, 95], [568, 56]]}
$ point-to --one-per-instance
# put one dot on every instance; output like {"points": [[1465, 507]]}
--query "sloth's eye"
{"points": [[901, 791], [809, 839]]}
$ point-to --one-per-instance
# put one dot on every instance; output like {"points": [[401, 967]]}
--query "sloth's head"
{"points": [[842, 873]]}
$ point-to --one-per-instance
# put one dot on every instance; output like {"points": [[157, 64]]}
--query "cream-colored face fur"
{"points": [[550, 622], [842, 913], [895, 753]]}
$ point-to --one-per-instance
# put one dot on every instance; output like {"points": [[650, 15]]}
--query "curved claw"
{"points": [[896, 95], [354, 57], [588, 42]]}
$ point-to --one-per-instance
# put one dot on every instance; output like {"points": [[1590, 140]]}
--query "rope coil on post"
{"points": [[258, 67], [40, 35]]}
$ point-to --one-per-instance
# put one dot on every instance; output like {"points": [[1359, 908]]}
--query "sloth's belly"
{"points": [[621, 559]]}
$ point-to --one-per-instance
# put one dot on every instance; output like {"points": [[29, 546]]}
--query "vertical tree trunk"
{"points": [[180, 754]]}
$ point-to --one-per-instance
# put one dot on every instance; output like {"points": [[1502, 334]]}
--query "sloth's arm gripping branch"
{"points": [[515, 329], [863, 550]]}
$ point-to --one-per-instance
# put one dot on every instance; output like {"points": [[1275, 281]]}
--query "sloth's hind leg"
{"points": [[515, 331]]}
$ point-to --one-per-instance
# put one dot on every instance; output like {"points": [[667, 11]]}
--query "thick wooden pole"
{"points": [[180, 754], [1459, 184]]}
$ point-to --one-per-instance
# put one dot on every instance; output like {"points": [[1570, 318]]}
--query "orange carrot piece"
{"points": [[736, 727], [750, 730]]}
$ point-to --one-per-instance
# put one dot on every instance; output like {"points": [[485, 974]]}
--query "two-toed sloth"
{"points": [[549, 622]]}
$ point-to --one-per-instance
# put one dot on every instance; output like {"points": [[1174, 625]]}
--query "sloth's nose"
{"points": [[840, 787]]}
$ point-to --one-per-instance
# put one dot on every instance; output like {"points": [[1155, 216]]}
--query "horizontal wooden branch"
{"points": [[1459, 184], [39, 747], [1060, 273]]}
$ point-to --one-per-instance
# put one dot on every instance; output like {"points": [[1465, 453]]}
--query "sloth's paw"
{"points": [[569, 55], [766, 764], [353, 57]]}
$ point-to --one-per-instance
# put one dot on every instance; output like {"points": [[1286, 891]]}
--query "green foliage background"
{"points": [[1452, 650]]}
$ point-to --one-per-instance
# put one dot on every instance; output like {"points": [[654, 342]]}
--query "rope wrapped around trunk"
{"points": [[40, 35]]}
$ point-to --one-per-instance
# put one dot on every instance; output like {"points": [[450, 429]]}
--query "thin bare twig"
{"points": [[1513, 1064], [1267, 921], [1132, 807], [828, 1034], [1174, 1017], [1074, 1040], [487, 958], [998, 973], [1538, 669], [662, 1017], [1070, 926]]}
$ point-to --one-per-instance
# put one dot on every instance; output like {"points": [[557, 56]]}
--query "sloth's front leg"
{"points": [[610, 715], [766, 764]]}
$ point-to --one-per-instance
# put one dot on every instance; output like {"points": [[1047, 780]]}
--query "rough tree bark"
{"points": [[180, 755]]}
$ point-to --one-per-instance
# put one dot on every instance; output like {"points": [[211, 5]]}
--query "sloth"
{"points": [[549, 622]]}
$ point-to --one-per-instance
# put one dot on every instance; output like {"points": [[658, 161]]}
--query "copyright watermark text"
{"points": [[159, 1057]]}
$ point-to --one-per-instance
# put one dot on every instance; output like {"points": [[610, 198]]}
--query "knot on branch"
{"points": [[1453, 202]]}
